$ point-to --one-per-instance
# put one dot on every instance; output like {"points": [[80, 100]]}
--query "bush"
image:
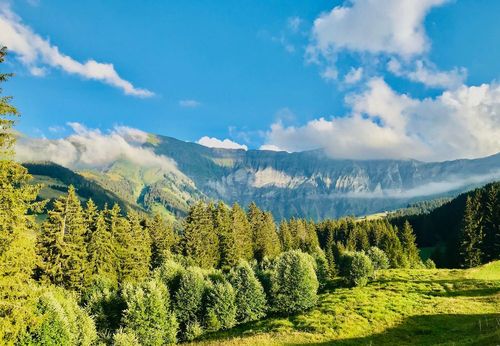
{"points": [[429, 264], [122, 338], [169, 273], [379, 258], [189, 296], [250, 297], [104, 304], [148, 314], [220, 308], [345, 263], [193, 330], [294, 284], [321, 267], [63, 322], [361, 269]]}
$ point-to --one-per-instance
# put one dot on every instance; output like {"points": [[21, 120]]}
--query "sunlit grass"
{"points": [[402, 307]]}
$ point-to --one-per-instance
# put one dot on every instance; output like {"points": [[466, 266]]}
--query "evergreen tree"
{"points": [[360, 269], [285, 236], [102, 253], [148, 314], [491, 224], [188, 297], [162, 240], [136, 255], [408, 242], [266, 240], [243, 232], [472, 235], [200, 243], [62, 243], [228, 246], [219, 306], [90, 217], [250, 297], [294, 284]]}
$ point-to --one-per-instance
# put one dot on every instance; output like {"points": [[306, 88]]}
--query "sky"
{"points": [[363, 79]]}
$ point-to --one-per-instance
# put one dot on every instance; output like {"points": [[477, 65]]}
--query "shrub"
{"points": [[361, 269], [345, 263], [429, 264], [169, 273], [294, 284], [193, 330], [63, 322], [220, 307], [379, 258], [188, 297], [122, 338], [148, 315], [321, 267], [250, 297], [104, 304]]}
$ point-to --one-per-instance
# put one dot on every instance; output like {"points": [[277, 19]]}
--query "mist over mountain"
{"points": [[166, 174]]}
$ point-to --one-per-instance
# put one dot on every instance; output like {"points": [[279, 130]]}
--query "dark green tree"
{"points": [[102, 253], [410, 249], [471, 235]]}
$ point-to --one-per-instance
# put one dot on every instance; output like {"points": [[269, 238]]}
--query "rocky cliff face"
{"points": [[310, 184]]}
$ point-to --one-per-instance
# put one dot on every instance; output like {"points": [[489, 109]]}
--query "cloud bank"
{"points": [[37, 54], [213, 142], [91, 148], [461, 123]]}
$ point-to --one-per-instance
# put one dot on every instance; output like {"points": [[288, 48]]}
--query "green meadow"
{"points": [[400, 307]]}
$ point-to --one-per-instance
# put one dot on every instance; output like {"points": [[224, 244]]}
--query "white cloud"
{"points": [[329, 74], [213, 142], [270, 147], [92, 148], [354, 75], [386, 26], [38, 53], [427, 74], [189, 103], [462, 123]]}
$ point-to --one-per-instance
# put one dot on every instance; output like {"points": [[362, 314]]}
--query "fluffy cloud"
{"points": [[37, 54], [386, 26], [354, 75], [427, 74], [462, 123], [189, 103], [213, 142], [92, 148]]}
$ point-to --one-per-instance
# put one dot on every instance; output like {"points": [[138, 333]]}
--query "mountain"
{"points": [[55, 180], [308, 184]]}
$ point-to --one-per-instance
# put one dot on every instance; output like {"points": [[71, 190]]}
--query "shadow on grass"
{"points": [[480, 329]]}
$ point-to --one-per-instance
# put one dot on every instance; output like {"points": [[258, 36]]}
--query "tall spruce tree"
{"points": [[200, 243], [471, 235], [162, 239], [267, 243], [102, 253], [90, 216], [62, 243], [285, 236], [410, 249], [136, 255], [228, 247], [491, 223], [243, 232]]}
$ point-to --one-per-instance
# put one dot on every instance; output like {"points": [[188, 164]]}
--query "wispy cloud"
{"points": [[189, 103], [38, 54]]}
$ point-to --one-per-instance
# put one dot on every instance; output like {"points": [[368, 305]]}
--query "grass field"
{"points": [[401, 307]]}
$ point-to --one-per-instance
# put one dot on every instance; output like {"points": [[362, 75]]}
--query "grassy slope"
{"points": [[402, 307]]}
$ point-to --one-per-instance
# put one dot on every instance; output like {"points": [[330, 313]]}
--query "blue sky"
{"points": [[282, 74]]}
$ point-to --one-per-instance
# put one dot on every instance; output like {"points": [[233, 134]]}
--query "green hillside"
{"points": [[402, 307]]}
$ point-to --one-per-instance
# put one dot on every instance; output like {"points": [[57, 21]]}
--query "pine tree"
{"points": [[136, 255], [471, 235], [228, 247], [266, 240], [408, 242], [243, 232], [102, 253], [285, 236], [491, 224], [162, 239], [90, 216], [62, 243], [200, 243]]}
